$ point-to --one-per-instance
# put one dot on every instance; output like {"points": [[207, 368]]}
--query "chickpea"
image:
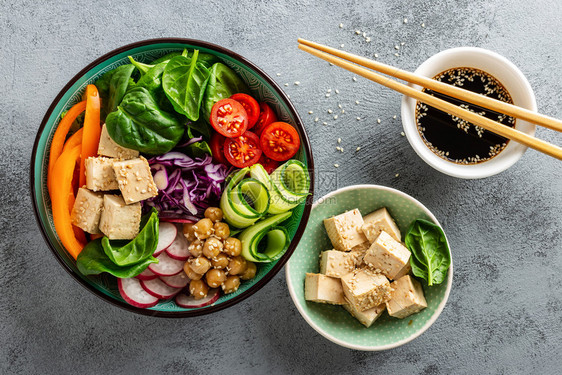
{"points": [[199, 265], [198, 289], [213, 246], [214, 213], [220, 261], [231, 284], [222, 230], [237, 266], [203, 229], [189, 272], [196, 248], [188, 232], [215, 278], [250, 272], [232, 246]]}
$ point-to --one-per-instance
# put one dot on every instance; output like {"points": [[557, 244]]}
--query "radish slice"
{"points": [[179, 248], [177, 281], [133, 293], [183, 300], [158, 289], [166, 235], [166, 266], [177, 220], [146, 275]]}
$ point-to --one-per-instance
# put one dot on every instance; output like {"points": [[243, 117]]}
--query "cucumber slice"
{"points": [[277, 239]]}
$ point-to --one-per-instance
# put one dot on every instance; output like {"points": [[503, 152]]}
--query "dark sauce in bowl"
{"points": [[457, 140]]}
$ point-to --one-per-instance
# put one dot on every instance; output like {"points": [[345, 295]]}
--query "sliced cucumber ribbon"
{"points": [[277, 239]]}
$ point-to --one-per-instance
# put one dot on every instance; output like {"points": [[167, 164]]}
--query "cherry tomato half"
{"points": [[243, 151], [268, 164], [217, 148], [280, 141], [267, 116], [250, 105], [229, 118]]}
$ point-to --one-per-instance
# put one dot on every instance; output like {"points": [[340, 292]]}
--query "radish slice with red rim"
{"points": [[167, 233], [159, 289], [146, 275], [188, 302], [179, 249], [177, 281], [133, 293], [166, 266]]}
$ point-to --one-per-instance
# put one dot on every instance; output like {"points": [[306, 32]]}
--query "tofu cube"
{"points": [[135, 180], [345, 232], [404, 271], [99, 174], [367, 317], [387, 256], [323, 289], [108, 147], [378, 221], [119, 221], [86, 211], [407, 298], [364, 289], [335, 263]]}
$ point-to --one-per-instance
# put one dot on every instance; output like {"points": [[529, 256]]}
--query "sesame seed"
{"points": [[310, 112], [316, 119], [297, 83], [343, 111], [368, 39], [402, 134], [358, 118], [341, 25], [336, 165], [357, 102], [358, 148], [397, 47], [379, 120], [324, 123], [338, 148], [337, 91], [341, 45], [364, 35], [394, 117], [329, 90], [397, 174], [354, 79], [405, 20], [335, 117], [357, 32], [339, 106], [396, 54], [286, 84], [376, 55], [278, 74], [327, 95], [331, 64], [339, 140], [423, 24], [402, 43], [330, 111]]}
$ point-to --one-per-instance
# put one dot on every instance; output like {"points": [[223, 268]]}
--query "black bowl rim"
{"points": [[280, 263]]}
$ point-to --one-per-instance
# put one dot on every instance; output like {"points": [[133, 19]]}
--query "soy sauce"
{"points": [[454, 139]]}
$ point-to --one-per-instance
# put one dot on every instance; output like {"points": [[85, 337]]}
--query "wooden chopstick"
{"points": [[455, 92], [442, 105]]}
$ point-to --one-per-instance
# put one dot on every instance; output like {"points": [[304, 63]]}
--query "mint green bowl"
{"points": [[263, 88], [334, 322]]}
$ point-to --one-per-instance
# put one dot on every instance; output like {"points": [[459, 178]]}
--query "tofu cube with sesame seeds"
{"points": [[323, 289], [406, 298], [119, 221], [99, 174], [367, 317], [345, 231], [108, 147], [86, 211], [378, 221], [335, 263], [135, 179], [387, 256], [365, 289]]}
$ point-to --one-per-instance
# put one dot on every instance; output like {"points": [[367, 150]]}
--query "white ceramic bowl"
{"points": [[510, 77]]}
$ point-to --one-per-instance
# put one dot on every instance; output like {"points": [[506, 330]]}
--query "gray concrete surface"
{"points": [[504, 315]]}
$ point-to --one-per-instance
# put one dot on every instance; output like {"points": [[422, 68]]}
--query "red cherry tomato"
{"points": [[280, 141], [217, 148], [268, 164], [267, 116], [250, 105], [229, 118], [243, 151]]}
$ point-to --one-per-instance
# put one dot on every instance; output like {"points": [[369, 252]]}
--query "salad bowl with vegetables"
{"points": [[172, 177]]}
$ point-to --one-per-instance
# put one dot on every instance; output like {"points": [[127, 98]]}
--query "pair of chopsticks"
{"points": [[356, 64]]}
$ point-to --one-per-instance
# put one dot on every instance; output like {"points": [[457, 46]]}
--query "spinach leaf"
{"points": [[143, 68], [125, 253], [167, 57], [223, 83], [113, 85], [184, 82], [139, 123], [93, 261], [430, 258]]}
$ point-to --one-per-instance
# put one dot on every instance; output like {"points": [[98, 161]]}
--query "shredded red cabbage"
{"points": [[186, 186]]}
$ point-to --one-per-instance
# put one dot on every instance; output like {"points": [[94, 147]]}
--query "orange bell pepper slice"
{"points": [[74, 140], [60, 136], [92, 129]]}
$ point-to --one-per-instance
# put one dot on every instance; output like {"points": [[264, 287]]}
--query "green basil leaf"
{"points": [[92, 260], [223, 83], [431, 257], [125, 253], [139, 123], [184, 82]]}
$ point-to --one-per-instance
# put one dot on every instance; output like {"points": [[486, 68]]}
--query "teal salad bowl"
{"points": [[334, 322], [262, 88]]}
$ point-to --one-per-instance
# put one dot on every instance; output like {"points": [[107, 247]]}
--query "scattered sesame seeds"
{"points": [[405, 20], [336, 165], [338, 148], [368, 39], [341, 25], [329, 90], [364, 34], [330, 111], [341, 149], [402, 134], [354, 79], [339, 140], [358, 148], [378, 120]]}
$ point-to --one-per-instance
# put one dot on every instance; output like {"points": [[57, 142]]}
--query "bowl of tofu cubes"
{"points": [[359, 276]]}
